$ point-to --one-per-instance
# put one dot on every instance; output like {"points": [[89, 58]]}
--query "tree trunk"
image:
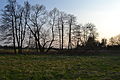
{"points": [[13, 34], [62, 34], [69, 43], [59, 35]]}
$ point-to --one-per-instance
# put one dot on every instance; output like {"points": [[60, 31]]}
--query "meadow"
{"points": [[59, 67]]}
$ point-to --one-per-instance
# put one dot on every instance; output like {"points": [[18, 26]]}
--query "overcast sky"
{"points": [[105, 14]]}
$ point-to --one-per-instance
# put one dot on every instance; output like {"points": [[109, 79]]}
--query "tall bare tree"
{"points": [[8, 19], [71, 24], [37, 20], [63, 17], [22, 16], [77, 35], [53, 15]]}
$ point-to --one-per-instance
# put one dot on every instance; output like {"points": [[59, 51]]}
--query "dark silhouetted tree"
{"points": [[115, 40], [37, 20], [71, 24], [103, 43], [9, 19]]}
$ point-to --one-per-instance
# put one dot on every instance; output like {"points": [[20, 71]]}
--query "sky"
{"points": [[104, 14]]}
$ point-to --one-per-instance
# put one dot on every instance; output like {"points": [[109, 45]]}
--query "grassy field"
{"points": [[59, 67]]}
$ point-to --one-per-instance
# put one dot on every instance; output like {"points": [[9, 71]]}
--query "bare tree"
{"points": [[92, 35], [71, 23], [59, 32], [21, 24], [53, 15], [62, 22], [8, 19], [84, 34], [37, 20], [115, 40], [77, 35], [90, 31], [80, 33]]}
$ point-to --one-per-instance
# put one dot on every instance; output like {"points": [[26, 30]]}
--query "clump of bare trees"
{"points": [[33, 26], [15, 18], [115, 40]]}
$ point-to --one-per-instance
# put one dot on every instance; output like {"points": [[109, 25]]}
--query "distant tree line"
{"points": [[32, 26]]}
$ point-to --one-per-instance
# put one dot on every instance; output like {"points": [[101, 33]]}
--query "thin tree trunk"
{"points": [[59, 36], [62, 34], [13, 34], [69, 43]]}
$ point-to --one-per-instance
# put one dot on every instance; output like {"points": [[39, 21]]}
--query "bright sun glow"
{"points": [[107, 20]]}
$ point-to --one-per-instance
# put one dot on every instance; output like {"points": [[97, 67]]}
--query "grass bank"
{"points": [[56, 67]]}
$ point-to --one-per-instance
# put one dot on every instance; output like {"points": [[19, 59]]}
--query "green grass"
{"points": [[30, 51], [56, 67]]}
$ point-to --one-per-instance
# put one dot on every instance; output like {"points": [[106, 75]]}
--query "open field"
{"points": [[59, 67]]}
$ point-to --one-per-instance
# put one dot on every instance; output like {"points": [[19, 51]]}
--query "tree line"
{"points": [[33, 26]]}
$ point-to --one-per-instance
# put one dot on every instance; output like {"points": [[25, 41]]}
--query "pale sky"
{"points": [[105, 14]]}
